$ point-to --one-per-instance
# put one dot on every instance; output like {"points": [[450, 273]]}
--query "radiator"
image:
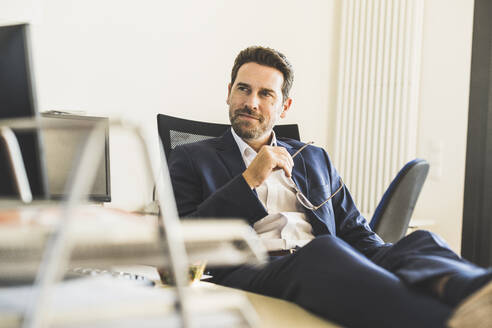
{"points": [[378, 94]]}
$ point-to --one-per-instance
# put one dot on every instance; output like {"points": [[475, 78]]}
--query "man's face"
{"points": [[255, 101]]}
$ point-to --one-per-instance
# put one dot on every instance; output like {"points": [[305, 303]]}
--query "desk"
{"points": [[419, 225], [272, 312]]}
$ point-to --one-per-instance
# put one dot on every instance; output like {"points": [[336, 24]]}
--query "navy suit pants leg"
{"points": [[332, 279], [421, 256]]}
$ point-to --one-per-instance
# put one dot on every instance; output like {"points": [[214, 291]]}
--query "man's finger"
{"points": [[281, 151], [285, 165], [288, 172], [287, 155]]}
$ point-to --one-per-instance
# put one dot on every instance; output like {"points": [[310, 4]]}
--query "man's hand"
{"points": [[268, 160]]}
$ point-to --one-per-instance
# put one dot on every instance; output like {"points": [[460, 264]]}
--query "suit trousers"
{"points": [[332, 279]]}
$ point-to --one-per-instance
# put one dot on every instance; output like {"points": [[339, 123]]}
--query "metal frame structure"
{"points": [[59, 247], [17, 164]]}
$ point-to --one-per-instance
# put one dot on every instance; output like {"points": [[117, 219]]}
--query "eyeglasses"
{"points": [[300, 196]]}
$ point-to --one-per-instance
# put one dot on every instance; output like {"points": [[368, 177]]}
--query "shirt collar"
{"points": [[243, 146]]}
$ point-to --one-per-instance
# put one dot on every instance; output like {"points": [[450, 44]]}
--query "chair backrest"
{"points": [[392, 216], [174, 131]]}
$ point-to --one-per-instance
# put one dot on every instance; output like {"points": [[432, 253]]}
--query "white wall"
{"points": [[446, 59], [136, 59]]}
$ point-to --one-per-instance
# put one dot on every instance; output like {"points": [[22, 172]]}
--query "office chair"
{"points": [[394, 211], [174, 131]]}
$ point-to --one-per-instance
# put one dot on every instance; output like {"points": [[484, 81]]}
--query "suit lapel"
{"points": [[229, 153]]}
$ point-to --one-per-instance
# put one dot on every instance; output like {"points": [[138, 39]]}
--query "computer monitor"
{"points": [[17, 99], [62, 147]]}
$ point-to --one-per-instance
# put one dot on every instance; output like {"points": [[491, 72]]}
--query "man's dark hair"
{"points": [[267, 57]]}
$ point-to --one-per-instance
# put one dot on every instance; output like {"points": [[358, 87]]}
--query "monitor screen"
{"points": [[17, 99], [62, 147]]}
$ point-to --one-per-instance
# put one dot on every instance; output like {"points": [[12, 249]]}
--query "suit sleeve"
{"points": [[351, 226], [192, 183]]}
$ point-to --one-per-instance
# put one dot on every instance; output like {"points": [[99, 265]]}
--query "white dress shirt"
{"points": [[286, 225]]}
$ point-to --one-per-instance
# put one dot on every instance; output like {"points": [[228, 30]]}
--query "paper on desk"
{"points": [[90, 299], [108, 302]]}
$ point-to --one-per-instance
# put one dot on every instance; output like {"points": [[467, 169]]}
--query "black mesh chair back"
{"points": [[392, 216], [174, 131]]}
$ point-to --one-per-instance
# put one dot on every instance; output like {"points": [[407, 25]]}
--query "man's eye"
{"points": [[241, 88], [266, 94]]}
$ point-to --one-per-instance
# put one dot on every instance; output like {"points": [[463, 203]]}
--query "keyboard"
{"points": [[113, 274]]}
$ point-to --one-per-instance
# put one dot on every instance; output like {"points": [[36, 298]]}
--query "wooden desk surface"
{"points": [[272, 312], [275, 312]]}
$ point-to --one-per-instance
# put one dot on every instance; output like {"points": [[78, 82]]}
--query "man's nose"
{"points": [[252, 101]]}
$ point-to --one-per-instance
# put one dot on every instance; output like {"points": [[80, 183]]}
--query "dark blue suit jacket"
{"points": [[208, 182]]}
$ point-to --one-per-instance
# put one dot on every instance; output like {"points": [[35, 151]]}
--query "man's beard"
{"points": [[243, 128]]}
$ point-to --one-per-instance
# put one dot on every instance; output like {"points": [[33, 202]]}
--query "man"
{"points": [[324, 256]]}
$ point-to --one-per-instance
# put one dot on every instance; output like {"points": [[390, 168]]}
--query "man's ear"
{"points": [[285, 107], [228, 93]]}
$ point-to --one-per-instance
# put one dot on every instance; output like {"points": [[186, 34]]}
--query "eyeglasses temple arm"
{"points": [[302, 148]]}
